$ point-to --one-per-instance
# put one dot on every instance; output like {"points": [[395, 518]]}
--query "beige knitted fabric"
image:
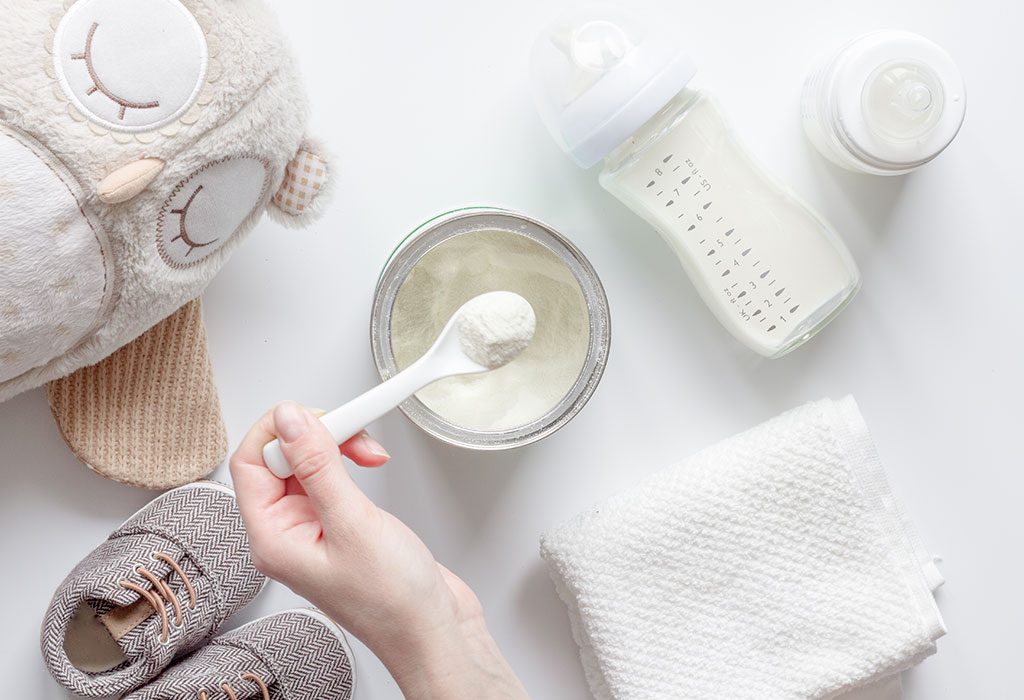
{"points": [[149, 414]]}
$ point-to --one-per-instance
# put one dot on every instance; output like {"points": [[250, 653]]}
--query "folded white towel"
{"points": [[775, 564]]}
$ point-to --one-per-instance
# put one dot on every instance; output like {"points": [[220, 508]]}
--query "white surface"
{"points": [[427, 107]]}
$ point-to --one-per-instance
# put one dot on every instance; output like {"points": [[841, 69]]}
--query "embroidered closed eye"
{"points": [[208, 207], [97, 84], [182, 228]]}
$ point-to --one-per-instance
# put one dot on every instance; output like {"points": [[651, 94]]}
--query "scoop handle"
{"points": [[347, 420]]}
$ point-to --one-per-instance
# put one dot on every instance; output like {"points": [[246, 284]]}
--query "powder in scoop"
{"points": [[494, 328], [474, 263]]}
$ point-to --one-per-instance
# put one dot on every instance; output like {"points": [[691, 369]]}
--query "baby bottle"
{"points": [[773, 272], [885, 103]]}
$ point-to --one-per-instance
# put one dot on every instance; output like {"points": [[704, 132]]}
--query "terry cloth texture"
{"points": [[149, 414], [197, 526], [773, 565], [295, 655], [250, 106]]}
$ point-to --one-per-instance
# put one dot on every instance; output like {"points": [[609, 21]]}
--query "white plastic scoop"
{"points": [[487, 332]]}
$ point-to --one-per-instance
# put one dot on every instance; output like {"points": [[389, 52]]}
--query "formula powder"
{"points": [[472, 264], [495, 328]]}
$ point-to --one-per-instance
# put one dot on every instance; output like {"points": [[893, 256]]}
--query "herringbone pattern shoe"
{"points": [[160, 586], [293, 655]]}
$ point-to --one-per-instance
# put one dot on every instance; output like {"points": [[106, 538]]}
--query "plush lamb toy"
{"points": [[140, 140]]}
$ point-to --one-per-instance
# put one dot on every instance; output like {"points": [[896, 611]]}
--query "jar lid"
{"points": [[599, 75], [899, 98]]}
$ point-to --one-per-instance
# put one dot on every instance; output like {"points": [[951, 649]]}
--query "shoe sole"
{"points": [[327, 622]]}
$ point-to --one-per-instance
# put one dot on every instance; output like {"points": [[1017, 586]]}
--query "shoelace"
{"points": [[229, 691], [161, 592]]}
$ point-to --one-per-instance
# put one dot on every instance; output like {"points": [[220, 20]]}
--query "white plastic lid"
{"points": [[899, 98], [599, 75]]}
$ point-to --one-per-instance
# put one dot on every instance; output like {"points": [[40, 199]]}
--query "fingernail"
{"points": [[290, 421], [373, 446]]}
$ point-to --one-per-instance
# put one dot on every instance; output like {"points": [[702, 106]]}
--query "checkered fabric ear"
{"points": [[305, 178]]}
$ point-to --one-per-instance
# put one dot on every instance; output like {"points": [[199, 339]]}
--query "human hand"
{"points": [[320, 535]]}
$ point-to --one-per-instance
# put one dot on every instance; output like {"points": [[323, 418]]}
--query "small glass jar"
{"points": [[886, 103], [463, 222], [773, 272]]}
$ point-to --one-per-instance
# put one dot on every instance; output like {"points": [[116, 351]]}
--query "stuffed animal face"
{"points": [[139, 141]]}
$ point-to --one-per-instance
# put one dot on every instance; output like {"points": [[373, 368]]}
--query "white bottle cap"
{"points": [[899, 99], [599, 76]]}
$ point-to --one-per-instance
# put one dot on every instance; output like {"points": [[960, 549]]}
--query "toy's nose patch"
{"points": [[305, 178], [129, 181]]}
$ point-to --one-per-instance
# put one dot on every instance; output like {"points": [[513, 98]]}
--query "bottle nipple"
{"points": [[599, 45], [902, 101]]}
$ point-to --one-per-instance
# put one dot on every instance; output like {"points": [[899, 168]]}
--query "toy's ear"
{"points": [[302, 194]]}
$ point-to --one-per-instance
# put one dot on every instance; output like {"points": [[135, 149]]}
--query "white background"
{"points": [[426, 106]]}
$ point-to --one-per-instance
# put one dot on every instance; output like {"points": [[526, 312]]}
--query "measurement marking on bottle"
{"points": [[702, 241], [779, 293], [729, 232], [756, 264], [744, 253], [765, 273], [650, 184], [726, 273], [660, 193], [686, 179], [697, 192], [741, 295], [771, 328], [667, 158], [793, 310], [692, 226], [681, 215], [676, 168], [707, 205], [711, 252], [757, 313], [719, 220], [670, 202]]}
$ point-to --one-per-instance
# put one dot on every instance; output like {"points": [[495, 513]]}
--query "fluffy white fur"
{"points": [[258, 109]]}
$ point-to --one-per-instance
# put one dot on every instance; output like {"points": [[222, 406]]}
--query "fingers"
{"points": [[365, 451], [315, 460], [256, 488]]}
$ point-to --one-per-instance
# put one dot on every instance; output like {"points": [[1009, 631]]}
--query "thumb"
{"points": [[315, 460]]}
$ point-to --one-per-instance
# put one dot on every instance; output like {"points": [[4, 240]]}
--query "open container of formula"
{"points": [[467, 252]]}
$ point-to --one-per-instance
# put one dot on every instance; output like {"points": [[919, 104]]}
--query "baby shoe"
{"points": [[162, 584], [296, 654]]}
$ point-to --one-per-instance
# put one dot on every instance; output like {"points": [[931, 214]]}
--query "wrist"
{"points": [[461, 661]]}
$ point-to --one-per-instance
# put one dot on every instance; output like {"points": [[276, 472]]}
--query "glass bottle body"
{"points": [[772, 271]]}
